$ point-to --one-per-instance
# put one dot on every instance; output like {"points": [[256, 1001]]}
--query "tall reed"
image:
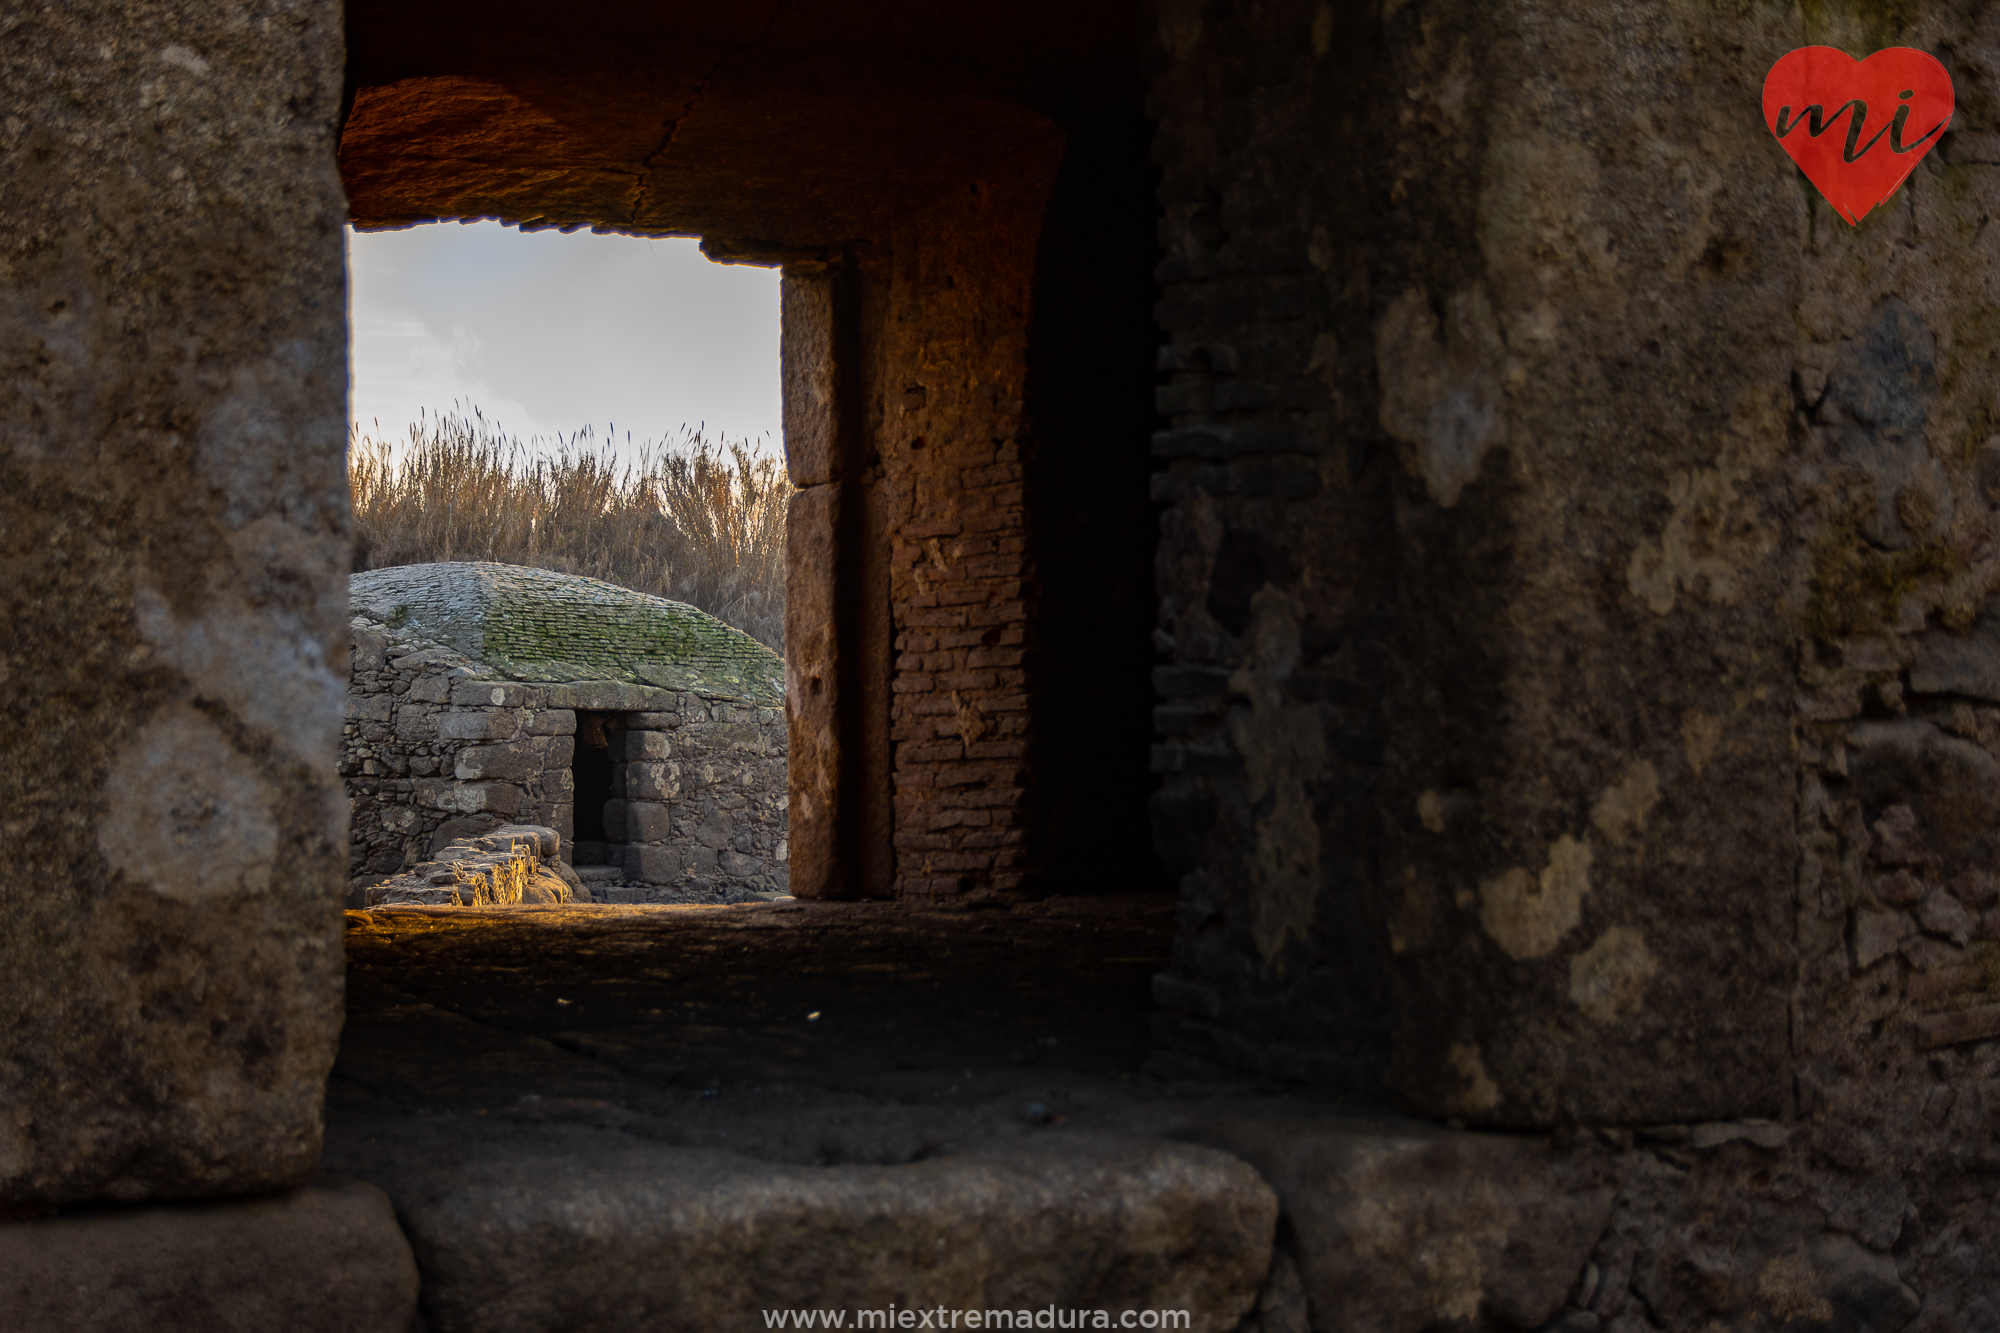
{"points": [[696, 520]]}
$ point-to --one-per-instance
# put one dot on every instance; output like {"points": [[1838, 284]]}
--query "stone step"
{"points": [[552, 1227], [599, 874], [326, 1258]]}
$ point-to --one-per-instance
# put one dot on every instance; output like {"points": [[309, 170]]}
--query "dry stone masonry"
{"points": [[518, 863], [479, 692]]}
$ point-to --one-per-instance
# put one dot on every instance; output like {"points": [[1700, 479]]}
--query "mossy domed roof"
{"points": [[537, 625]]}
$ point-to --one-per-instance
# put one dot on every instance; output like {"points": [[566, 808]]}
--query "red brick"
{"points": [[994, 657], [924, 842], [962, 594], [954, 818], [1010, 522], [999, 613], [968, 680], [940, 619], [989, 797], [933, 754], [995, 750], [960, 861], [910, 684], [965, 775]]}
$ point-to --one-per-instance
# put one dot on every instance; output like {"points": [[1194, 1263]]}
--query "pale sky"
{"points": [[547, 333]]}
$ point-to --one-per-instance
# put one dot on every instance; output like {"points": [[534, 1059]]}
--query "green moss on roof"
{"points": [[537, 625]]}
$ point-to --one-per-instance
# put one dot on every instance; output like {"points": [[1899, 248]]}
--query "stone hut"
{"points": [[649, 735]]}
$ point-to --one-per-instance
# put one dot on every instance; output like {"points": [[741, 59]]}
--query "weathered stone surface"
{"points": [[1965, 664], [1402, 1227], [812, 690], [516, 863], [551, 1228], [175, 526], [538, 625], [325, 1258]]}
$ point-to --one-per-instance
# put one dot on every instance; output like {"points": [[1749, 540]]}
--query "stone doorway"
{"points": [[595, 771]]}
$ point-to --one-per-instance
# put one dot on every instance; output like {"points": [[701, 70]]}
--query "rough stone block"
{"points": [[549, 722], [328, 1258], [652, 865], [738, 865], [490, 694], [465, 826], [648, 821], [370, 707], [640, 745], [415, 723], [1400, 1225], [503, 1220], [478, 725], [499, 798], [609, 696], [515, 762], [615, 821], [656, 721], [370, 651], [433, 687], [652, 781]]}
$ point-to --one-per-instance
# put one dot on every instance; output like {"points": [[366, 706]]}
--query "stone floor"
{"points": [[709, 1021], [550, 1118], [579, 1090]]}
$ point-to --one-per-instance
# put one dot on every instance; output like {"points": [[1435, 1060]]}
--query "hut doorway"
{"points": [[593, 770]]}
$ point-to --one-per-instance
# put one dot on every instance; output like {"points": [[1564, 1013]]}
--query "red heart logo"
{"points": [[1857, 128]]}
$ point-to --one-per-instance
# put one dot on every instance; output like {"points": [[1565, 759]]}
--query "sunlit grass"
{"points": [[696, 520]]}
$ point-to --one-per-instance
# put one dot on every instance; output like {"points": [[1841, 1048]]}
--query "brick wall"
{"points": [[950, 378]]}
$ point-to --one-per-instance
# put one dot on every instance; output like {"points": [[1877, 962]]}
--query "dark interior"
{"points": [[592, 768]]}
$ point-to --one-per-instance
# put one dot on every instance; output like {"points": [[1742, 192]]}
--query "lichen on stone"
{"points": [[538, 625]]}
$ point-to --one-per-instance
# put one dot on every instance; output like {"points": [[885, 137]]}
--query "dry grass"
{"points": [[696, 521]]}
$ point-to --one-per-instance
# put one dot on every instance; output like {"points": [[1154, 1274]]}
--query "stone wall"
{"points": [[1578, 591], [1276, 560], [173, 512], [431, 751], [437, 748]]}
